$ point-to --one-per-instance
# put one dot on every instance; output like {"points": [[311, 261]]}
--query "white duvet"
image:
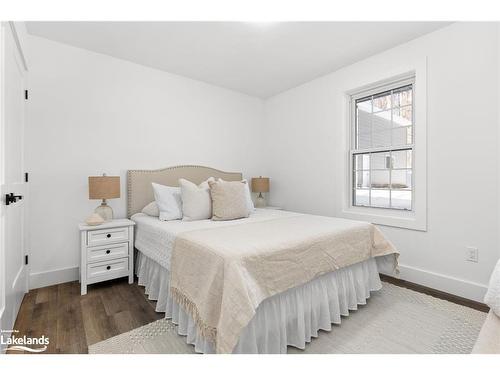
{"points": [[155, 238]]}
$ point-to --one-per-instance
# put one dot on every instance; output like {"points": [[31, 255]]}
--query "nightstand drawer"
{"points": [[107, 270], [107, 252], [105, 236]]}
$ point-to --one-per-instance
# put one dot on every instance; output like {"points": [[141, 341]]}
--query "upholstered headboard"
{"points": [[140, 191]]}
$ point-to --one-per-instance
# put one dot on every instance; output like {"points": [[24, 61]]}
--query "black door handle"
{"points": [[11, 198]]}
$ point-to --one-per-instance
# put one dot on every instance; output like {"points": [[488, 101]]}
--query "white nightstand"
{"points": [[107, 252]]}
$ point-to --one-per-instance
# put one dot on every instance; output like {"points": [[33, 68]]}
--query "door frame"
{"points": [[18, 33]]}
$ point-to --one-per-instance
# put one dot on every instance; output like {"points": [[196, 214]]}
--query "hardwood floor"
{"points": [[436, 293], [73, 322]]}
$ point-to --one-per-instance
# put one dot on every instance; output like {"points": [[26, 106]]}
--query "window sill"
{"points": [[392, 218]]}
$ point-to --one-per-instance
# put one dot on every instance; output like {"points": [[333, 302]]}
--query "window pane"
{"points": [[361, 197], [382, 101], [380, 180], [364, 104], [362, 179], [364, 141], [381, 121], [381, 139], [380, 160], [403, 96], [402, 136], [402, 116], [401, 179], [363, 121], [401, 199], [380, 198], [401, 159], [362, 161]]}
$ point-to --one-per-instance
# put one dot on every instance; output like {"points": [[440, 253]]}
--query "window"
{"points": [[382, 149]]}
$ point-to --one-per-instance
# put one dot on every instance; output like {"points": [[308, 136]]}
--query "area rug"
{"points": [[395, 320]]}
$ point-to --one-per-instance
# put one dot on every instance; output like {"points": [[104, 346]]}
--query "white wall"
{"points": [[306, 146], [89, 113]]}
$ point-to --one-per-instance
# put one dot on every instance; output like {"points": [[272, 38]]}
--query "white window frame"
{"points": [[353, 126], [416, 218]]}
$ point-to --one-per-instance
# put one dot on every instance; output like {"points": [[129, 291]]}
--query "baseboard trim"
{"points": [[435, 293], [53, 277], [448, 284]]}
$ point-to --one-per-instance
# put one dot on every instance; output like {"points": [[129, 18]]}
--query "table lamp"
{"points": [[260, 185], [104, 187]]}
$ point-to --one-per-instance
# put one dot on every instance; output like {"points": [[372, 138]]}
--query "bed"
{"points": [[253, 285]]}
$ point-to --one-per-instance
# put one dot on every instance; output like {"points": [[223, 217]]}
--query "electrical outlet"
{"points": [[472, 254]]}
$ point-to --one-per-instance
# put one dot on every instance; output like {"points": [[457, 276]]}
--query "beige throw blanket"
{"points": [[220, 275]]}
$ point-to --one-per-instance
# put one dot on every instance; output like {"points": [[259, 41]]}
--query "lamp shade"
{"points": [[260, 184], [104, 187]]}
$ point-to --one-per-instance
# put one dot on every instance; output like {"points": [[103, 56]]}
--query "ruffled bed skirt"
{"points": [[289, 318]]}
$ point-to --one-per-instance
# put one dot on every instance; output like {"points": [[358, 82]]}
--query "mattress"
{"points": [[155, 238]]}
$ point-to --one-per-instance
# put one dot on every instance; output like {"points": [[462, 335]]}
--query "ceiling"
{"points": [[259, 59]]}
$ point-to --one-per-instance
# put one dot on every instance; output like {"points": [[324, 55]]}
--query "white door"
{"points": [[13, 272]]}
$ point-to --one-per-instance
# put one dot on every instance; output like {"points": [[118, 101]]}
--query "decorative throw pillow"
{"points": [[196, 201], [151, 209], [229, 200], [250, 205], [168, 199]]}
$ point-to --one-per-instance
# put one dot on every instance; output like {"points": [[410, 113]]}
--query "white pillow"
{"points": [[196, 200], [251, 207], [151, 209], [169, 202], [248, 195]]}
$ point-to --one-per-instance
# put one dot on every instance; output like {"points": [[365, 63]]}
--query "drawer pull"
{"points": [[108, 235], [108, 251], [108, 267]]}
